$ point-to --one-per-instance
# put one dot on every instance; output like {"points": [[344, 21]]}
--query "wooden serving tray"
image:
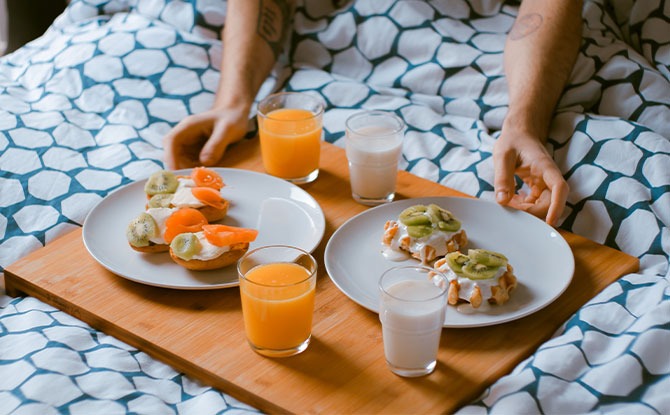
{"points": [[343, 371]]}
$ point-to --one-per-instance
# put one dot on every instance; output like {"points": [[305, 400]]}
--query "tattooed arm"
{"points": [[253, 36], [540, 52]]}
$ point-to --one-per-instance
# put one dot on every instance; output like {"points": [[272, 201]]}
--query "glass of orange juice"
{"points": [[290, 126], [277, 285]]}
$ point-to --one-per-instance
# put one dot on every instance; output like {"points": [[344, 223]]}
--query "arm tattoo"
{"points": [[525, 25], [273, 23]]}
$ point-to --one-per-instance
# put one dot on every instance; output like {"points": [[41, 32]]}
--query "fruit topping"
{"points": [[422, 220], [141, 229], [162, 181], [419, 231], [185, 245], [456, 260], [160, 200], [476, 271], [415, 215], [488, 258], [444, 220], [478, 264]]}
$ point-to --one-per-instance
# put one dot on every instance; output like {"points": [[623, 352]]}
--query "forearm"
{"points": [[253, 36], [539, 53]]}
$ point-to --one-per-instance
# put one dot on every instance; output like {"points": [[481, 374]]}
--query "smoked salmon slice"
{"points": [[209, 196], [182, 221], [204, 177], [224, 235]]}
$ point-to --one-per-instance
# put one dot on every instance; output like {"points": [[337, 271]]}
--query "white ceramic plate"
{"points": [[282, 213], [542, 259]]}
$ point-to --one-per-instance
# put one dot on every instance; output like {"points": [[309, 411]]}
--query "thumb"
{"points": [[503, 184]]}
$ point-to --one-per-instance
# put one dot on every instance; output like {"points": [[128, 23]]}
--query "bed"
{"points": [[84, 107]]}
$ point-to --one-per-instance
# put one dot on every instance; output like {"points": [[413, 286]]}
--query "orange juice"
{"points": [[277, 304], [290, 142]]}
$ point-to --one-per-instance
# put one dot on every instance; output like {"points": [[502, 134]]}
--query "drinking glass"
{"points": [[373, 146], [277, 285], [290, 125], [413, 302]]}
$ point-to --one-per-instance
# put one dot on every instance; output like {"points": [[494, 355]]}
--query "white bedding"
{"points": [[83, 110]]}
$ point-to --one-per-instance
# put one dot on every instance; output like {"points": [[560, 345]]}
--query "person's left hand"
{"points": [[521, 154], [201, 139]]}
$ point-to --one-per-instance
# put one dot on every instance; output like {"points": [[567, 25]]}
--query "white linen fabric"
{"points": [[84, 107]]}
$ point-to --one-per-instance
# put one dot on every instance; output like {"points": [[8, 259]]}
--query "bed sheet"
{"points": [[84, 107]]}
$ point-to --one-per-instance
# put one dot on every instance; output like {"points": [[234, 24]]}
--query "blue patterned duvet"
{"points": [[83, 110]]}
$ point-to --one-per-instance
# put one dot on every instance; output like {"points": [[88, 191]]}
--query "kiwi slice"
{"points": [[443, 219], [161, 200], [488, 258], [476, 271], [419, 231], [162, 181], [185, 245], [456, 261], [141, 229], [414, 216]]}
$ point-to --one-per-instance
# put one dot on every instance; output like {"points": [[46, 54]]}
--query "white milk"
{"points": [[411, 329], [373, 161], [373, 143]]}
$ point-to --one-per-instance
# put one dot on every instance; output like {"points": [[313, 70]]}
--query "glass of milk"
{"points": [[373, 145], [412, 309]]}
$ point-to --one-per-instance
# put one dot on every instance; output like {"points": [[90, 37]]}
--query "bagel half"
{"points": [[225, 259], [214, 214], [152, 248]]}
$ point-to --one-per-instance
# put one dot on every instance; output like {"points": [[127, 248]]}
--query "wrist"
{"points": [[238, 108], [527, 122]]}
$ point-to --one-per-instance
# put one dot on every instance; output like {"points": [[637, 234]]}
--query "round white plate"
{"points": [[282, 213], [541, 258]]}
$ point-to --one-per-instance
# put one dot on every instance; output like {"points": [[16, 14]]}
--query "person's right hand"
{"points": [[201, 139], [524, 155]]}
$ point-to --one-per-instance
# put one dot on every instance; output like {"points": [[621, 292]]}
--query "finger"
{"points": [[518, 201], [559, 196], [535, 193], [224, 134], [504, 166], [168, 149], [180, 143], [538, 208], [541, 205], [215, 146]]}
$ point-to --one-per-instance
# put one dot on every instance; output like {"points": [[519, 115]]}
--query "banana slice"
{"points": [[141, 229], [162, 181]]}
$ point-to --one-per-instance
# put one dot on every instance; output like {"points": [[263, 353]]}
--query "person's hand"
{"points": [[524, 155], [201, 139]]}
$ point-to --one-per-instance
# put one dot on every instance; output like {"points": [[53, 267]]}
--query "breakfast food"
{"points": [[425, 232], [152, 230], [215, 246], [200, 190], [479, 276], [177, 219]]}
